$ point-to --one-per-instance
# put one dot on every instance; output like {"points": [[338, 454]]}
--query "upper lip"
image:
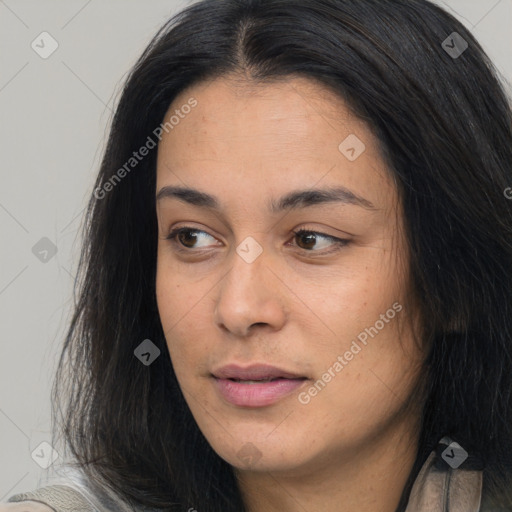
{"points": [[254, 372]]}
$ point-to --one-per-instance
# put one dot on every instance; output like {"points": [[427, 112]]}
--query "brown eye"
{"points": [[187, 237], [310, 239]]}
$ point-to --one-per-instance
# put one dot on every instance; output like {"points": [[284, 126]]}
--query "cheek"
{"points": [[172, 305], [375, 381], [182, 315], [366, 313], [354, 300], [172, 291]]}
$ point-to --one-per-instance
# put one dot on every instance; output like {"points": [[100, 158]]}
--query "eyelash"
{"points": [[338, 242]]}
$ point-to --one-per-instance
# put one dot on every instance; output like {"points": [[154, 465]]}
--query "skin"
{"points": [[295, 306]]}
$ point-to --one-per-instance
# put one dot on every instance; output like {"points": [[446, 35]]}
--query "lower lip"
{"points": [[256, 395]]}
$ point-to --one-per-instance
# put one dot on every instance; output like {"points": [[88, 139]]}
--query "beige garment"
{"points": [[441, 489], [58, 497]]}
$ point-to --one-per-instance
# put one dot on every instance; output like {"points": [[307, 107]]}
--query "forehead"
{"points": [[271, 137], [290, 111]]}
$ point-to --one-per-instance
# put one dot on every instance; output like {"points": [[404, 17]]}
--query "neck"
{"points": [[367, 479]]}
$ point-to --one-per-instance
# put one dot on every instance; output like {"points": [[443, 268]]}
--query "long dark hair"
{"points": [[444, 126]]}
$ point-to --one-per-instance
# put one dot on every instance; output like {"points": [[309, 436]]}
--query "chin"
{"points": [[259, 452]]}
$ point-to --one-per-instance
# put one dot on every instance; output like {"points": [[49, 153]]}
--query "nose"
{"points": [[250, 296]]}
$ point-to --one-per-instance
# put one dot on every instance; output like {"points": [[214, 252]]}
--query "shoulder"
{"points": [[54, 498], [25, 506], [69, 489], [65, 490]]}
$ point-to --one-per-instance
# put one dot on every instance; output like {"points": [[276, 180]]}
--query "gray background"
{"points": [[55, 113]]}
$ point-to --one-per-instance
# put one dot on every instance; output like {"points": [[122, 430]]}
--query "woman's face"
{"points": [[323, 312]]}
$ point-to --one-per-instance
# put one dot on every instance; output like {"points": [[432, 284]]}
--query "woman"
{"points": [[297, 272]]}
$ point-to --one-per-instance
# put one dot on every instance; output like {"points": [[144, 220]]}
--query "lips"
{"points": [[254, 373], [255, 386]]}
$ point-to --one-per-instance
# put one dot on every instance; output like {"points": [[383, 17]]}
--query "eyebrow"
{"points": [[293, 200]]}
